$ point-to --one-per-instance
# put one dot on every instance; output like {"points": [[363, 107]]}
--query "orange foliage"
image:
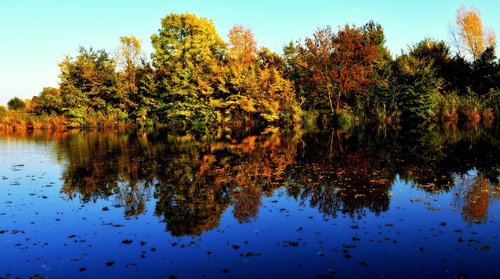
{"points": [[242, 47]]}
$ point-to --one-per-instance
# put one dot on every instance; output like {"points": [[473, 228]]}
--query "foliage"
{"points": [[188, 55], [379, 102], [3, 111], [16, 104], [242, 47], [48, 102], [492, 102], [129, 64], [469, 36], [417, 88], [89, 86], [486, 72], [257, 84], [334, 65], [196, 80]]}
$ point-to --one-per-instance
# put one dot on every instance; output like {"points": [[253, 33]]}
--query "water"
{"points": [[377, 203]]}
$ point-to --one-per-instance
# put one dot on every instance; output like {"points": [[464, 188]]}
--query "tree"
{"points": [[275, 97], [436, 52], [89, 86], [338, 64], [417, 87], [469, 36], [16, 104], [242, 47], [242, 54], [486, 72], [128, 60], [49, 101], [379, 101], [256, 82], [188, 54]]}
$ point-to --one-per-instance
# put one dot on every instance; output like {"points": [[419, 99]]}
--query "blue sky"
{"points": [[36, 34]]}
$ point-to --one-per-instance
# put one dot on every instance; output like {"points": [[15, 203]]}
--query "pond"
{"points": [[367, 202]]}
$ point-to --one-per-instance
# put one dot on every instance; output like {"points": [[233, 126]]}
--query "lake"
{"points": [[371, 202]]}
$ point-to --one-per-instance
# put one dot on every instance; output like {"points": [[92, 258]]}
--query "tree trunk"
{"points": [[337, 105], [330, 100]]}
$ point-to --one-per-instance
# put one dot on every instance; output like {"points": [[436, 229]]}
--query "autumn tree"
{"points": [[242, 47], [128, 61], [48, 102], [338, 64], [188, 55], [242, 54], [256, 82], [88, 84], [469, 36]]}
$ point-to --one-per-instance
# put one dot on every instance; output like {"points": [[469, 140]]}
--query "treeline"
{"points": [[195, 79]]}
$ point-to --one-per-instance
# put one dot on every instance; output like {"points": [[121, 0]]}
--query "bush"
{"points": [[448, 106], [16, 104], [3, 111], [492, 102], [470, 107]]}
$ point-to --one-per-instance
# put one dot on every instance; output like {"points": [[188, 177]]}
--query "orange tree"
{"points": [[336, 65]]}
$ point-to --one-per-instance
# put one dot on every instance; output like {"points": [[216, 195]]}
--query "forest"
{"points": [[344, 76]]}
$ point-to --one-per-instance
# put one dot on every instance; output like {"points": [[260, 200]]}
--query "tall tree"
{"points": [[469, 36], [256, 82], [242, 54], [417, 87], [339, 64], [129, 60], [242, 47], [188, 54]]}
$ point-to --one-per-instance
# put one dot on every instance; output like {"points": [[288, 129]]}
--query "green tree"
{"points": [[16, 104], [89, 87], [188, 55], [379, 102], [436, 52], [486, 72], [417, 87]]}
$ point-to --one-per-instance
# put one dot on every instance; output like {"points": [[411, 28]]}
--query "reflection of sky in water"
{"points": [[422, 234]]}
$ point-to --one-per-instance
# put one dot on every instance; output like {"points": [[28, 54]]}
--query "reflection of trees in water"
{"points": [[337, 174], [101, 165], [351, 172], [199, 186], [474, 195], [195, 179]]}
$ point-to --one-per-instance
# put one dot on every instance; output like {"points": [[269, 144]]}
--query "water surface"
{"points": [[378, 203]]}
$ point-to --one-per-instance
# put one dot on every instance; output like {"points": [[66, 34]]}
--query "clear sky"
{"points": [[36, 34]]}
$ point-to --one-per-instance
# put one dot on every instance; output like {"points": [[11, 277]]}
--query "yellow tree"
{"points": [[242, 46], [128, 59], [469, 36]]}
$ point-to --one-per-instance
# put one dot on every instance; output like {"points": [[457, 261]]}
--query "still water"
{"points": [[372, 203]]}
